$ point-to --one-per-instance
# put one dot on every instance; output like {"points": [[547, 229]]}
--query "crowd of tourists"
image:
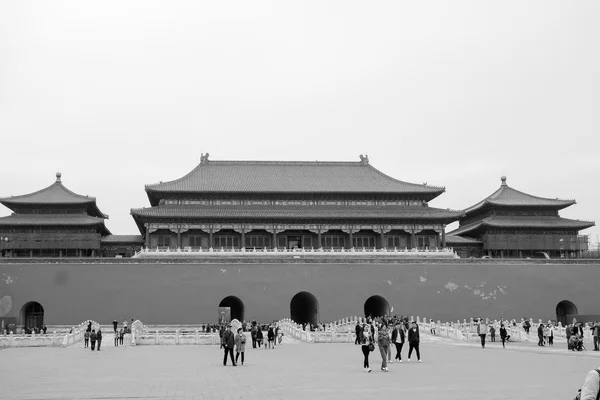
{"points": [[386, 332]]}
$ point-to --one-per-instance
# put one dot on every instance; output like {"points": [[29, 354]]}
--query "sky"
{"points": [[119, 94]]}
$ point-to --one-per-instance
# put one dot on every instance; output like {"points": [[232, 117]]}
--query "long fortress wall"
{"points": [[191, 293]]}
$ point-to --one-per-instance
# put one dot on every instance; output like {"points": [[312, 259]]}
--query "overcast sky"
{"points": [[118, 94]]}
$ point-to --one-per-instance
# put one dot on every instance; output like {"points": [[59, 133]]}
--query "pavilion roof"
{"points": [[290, 177], [501, 221], [53, 220], [507, 196], [298, 212], [55, 194]]}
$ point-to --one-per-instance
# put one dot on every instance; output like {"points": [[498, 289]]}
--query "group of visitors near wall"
{"points": [[230, 340], [93, 338], [385, 332]]}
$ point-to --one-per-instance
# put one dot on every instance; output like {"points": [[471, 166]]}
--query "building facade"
{"points": [[510, 223], [264, 204]]}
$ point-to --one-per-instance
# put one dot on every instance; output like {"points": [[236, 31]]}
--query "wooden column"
{"points": [[210, 238], [413, 242], [178, 238], [243, 244], [319, 239], [444, 237], [351, 235], [274, 239], [147, 238]]}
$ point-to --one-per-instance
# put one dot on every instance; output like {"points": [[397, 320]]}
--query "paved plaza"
{"points": [[451, 370]]}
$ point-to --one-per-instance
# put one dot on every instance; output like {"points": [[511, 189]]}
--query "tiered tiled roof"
{"points": [[53, 220], [525, 222], [289, 177], [507, 196], [299, 212], [55, 194]]}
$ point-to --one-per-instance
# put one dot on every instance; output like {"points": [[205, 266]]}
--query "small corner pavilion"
{"points": [[52, 222], [292, 205], [511, 223]]}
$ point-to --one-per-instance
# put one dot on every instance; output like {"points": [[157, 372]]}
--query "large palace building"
{"points": [[268, 204]]}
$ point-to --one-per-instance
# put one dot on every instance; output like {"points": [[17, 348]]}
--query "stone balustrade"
{"points": [[53, 339], [363, 251]]}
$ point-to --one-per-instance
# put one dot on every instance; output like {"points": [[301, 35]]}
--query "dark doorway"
{"points": [[377, 306], [564, 310], [304, 308], [236, 305], [32, 315]]}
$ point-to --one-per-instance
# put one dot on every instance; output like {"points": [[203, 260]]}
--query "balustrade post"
{"points": [[177, 336], [196, 337], [156, 337]]}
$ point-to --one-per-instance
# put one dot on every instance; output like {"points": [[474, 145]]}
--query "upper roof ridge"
{"points": [[57, 184]]}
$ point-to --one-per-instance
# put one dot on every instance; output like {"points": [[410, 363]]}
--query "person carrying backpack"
{"points": [[591, 386]]}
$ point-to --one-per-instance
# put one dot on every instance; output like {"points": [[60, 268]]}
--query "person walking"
{"points": [[259, 336], [482, 331], [503, 335], [240, 345], [228, 343], [591, 386], [93, 338], [121, 336], [116, 339], [357, 331], [398, 338], [253, 335], [115, 323], [366, 346], [596, 336], [413, 341], [99, 336], [86, 338], [540, 333], [550, 334], [271, 337], [383, 342], [492, 333]]}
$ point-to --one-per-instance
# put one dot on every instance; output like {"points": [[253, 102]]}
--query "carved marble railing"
{"points": [[53, 339], [142, 336], [340, 331], [189, 251]]}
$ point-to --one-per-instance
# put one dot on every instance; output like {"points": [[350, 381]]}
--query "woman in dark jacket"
{"points": [[99, 335], [366, 342], [259, 336], [503, 335], [413, 341]]}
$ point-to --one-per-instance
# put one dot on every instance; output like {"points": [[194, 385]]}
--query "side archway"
{"points": [[236, 305], [304, 308], [377, 306], [564, 310], [32, 315]]}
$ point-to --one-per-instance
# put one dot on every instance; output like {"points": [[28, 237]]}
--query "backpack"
{"points": [[578, 397]]}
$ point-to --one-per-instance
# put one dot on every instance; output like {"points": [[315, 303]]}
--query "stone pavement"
{"points": [[451, 370]]}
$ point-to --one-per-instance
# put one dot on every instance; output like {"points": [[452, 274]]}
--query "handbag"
{"points": [[371, 347]]}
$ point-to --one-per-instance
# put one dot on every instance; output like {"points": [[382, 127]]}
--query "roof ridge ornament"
{"points": [[503, 179], [58, 176], [204, 158], [364, 160]]}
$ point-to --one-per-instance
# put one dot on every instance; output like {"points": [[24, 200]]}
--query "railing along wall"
{"points": [[141, 335], [47, 340]]}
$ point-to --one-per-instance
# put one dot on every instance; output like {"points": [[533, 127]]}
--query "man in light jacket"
{"points": [[398, 338], [482, 331]]}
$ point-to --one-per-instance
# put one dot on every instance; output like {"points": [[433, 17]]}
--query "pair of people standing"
{"points": [[95, 336], [229, 341]]}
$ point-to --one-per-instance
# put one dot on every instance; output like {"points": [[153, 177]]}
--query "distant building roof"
{"points": [[290, 177], [498, 221], [298, 212], [135, 239], [507, 196], [53, 220], [56, 194]]}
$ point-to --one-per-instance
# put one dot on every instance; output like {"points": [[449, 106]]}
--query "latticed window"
{"points": [[397, 241], [332, 241], [164, 241], [228, 242], [363, 241], [256, 241], [426, 242]]}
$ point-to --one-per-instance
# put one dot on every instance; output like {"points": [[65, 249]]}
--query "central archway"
{"points": [[376, 306], [564, 310], [32, 315], [236, 305], [304, 308]]}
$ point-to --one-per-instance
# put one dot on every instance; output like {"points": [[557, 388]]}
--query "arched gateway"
{"points": [[376, 306], [304, 308], [235, 305], [32, 315], [564, 310]]}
